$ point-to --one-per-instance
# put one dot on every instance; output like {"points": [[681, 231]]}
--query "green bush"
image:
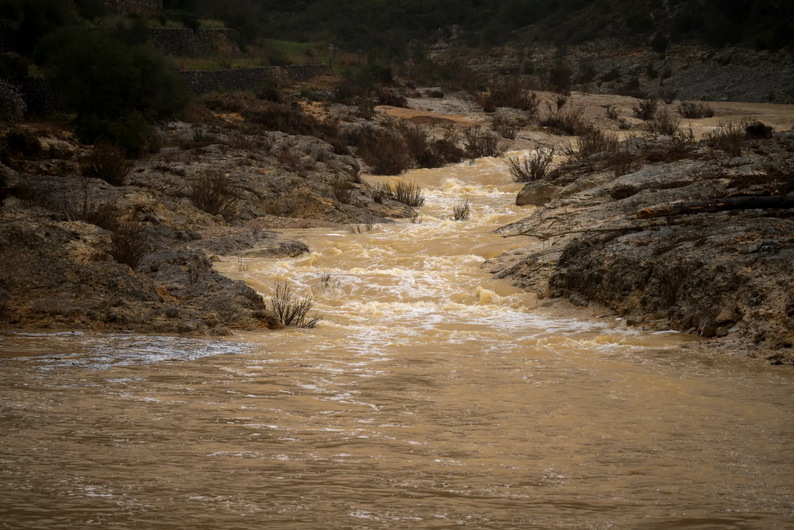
{"points": [[118, 88]]}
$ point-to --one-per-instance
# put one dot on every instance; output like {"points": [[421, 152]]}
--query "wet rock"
{"points": [[172, 312], [537, 194], [284, 249], [190, 326]]}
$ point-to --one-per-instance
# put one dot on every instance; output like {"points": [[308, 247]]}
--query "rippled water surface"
{"points": [[430, 396]]}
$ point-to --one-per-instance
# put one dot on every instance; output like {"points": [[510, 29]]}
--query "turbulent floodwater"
{"points": [[430, 396]]}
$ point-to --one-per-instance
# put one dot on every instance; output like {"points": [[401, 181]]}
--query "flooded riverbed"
{"points": [[429, 396]]}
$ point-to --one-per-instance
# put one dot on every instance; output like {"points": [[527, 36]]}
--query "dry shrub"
{"points": [[621, 161], [129, 243], [102, 215], [566, 120], [505, 127], [292, 311], [214, 194], [728, 137], [534, 167], [447, 147], [428, 153], [611, 112], [695, 110], [107, 162], [516, 94], [479, 144], [592, 141], [682, 140], [461, 211], [407, 192], [646, 109], [664, 123]]}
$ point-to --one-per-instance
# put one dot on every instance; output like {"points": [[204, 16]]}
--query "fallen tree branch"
{"points": [[751, 202]]}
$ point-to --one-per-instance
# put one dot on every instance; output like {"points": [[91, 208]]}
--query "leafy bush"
{"points": [[695, 111], [534, 167], [107, 162], [757, 130], [292, 311], [12, 105], [214, 194]]}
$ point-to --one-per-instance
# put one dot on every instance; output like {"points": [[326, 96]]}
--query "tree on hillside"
{"points": [[117, 87]]}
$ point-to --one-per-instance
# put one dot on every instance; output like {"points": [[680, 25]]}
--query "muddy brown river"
{"points": [[430, 396]]}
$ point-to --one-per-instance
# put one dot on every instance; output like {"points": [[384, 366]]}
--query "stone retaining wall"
{"points": [[203, 81]]}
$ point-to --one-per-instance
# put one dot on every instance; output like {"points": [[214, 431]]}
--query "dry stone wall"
{"points": [[136, 7], [184, 41]]}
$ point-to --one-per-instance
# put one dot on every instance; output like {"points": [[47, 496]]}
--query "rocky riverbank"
{"points": [[602, 234], [72, 261]]}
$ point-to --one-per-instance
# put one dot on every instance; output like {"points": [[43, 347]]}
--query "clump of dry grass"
{"points": [[407, 192], [461, 211], [566, 119], [215, 194], [479, 144], [592, 141], [536, 166], [664, 123], [129, 243], [728, 137], [292, 311], [646, 109], [107, 162]]}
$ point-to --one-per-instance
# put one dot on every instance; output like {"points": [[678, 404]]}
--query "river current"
{"points": [[429, 396]]}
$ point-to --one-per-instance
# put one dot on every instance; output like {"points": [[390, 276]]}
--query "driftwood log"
{"points": [[751, 202]]}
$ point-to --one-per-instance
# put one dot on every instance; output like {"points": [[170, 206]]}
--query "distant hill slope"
{"points": [[389, 25]]}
